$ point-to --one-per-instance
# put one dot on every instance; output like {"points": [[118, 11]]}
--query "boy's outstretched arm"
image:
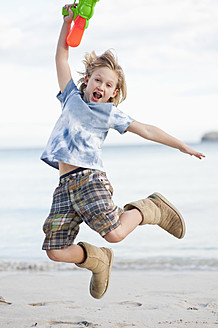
{"points": [[62, 52], [155, 134]]}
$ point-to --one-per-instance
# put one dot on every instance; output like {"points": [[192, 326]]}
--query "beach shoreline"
{"points": [[134, 299]]}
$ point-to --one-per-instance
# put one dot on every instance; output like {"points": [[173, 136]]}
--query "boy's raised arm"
{"points": [[62, 52]]}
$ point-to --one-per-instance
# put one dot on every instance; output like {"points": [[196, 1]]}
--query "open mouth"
{"points": [[97, 95]]}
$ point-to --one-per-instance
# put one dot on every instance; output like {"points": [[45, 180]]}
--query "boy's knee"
{"points": [[114, 236]]}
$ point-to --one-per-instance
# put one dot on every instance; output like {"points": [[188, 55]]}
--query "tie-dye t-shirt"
{"points": [[81, 129]]}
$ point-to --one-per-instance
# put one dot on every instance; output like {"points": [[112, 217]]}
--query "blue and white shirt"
{"points": [[81, 129]]}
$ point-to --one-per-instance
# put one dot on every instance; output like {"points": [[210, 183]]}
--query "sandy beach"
{"points": [[134, 299]]}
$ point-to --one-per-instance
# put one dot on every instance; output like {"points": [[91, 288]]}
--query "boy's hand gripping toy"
{"points": [[81, 15]]}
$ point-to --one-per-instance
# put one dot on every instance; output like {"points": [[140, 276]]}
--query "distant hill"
{"points": [[210, 136]]}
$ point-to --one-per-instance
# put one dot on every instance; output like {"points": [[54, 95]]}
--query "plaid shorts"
{"points": [[85, 196]]}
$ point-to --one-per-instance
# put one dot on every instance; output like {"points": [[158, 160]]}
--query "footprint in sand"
{"points": [[129, 304], [76, 324], [67, 304], [38, 304], [188, 305], [3, 301]]}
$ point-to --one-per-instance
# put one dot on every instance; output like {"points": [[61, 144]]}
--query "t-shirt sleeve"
{"points": [[119, 120], [62, 96]]}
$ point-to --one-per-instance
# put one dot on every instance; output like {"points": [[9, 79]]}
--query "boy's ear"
{"points": [[86, 80], [115, 92]]}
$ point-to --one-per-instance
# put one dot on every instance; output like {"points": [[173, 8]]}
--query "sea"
{"points": [[135, 171]]}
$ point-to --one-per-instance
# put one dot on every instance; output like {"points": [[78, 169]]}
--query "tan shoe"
{"points": [[99, 261], [156, 209]]}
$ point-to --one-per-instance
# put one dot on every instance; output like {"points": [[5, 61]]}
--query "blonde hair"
{"points": [[107, 59]]}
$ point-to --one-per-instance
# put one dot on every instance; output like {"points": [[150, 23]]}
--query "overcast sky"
{"points": [[168, 50]]}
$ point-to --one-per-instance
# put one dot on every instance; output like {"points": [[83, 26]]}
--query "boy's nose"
{"points": [[100, 87]]}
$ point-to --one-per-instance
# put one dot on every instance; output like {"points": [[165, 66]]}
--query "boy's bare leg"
{"points": [[95, 259], [129, 220], [70, 254], [98, 260]]}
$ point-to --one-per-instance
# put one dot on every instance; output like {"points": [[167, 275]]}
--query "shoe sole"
{"points": [[109, 270], [175, 209]]}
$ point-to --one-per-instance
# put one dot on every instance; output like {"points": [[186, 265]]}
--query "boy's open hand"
{"points": [[192, 152]]}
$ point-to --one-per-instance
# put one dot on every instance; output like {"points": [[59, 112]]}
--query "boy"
{"points": [[84, 192]]}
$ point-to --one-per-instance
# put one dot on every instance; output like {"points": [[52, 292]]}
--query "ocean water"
{"points": [[27, 185]]}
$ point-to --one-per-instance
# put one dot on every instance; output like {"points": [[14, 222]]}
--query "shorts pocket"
{"points": [[57, 223]]}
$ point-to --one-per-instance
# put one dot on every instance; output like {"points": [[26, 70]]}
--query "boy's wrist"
{"points": [[67, 23], [183, 148]]}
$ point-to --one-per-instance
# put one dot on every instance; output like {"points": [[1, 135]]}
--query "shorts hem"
{"points": [[48, 247], [109, 229], [51, 242]]}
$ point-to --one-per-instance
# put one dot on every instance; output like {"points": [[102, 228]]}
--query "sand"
{"points": [[134, 299]]}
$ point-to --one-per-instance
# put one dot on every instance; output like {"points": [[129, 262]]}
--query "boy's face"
{"points": [[101, 85]]}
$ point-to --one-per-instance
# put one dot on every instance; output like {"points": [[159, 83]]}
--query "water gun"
{"points": [[81, 15]]}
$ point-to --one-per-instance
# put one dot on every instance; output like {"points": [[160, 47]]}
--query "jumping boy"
{"points": [[84, 193]]}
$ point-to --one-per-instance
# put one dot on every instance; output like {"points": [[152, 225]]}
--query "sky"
{"points": [[167, 48]]}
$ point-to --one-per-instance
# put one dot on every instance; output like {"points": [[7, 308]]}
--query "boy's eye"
{"points": [[109, 85]]}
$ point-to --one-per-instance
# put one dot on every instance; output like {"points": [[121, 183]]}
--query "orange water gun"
{"points": [[82, 12]]}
